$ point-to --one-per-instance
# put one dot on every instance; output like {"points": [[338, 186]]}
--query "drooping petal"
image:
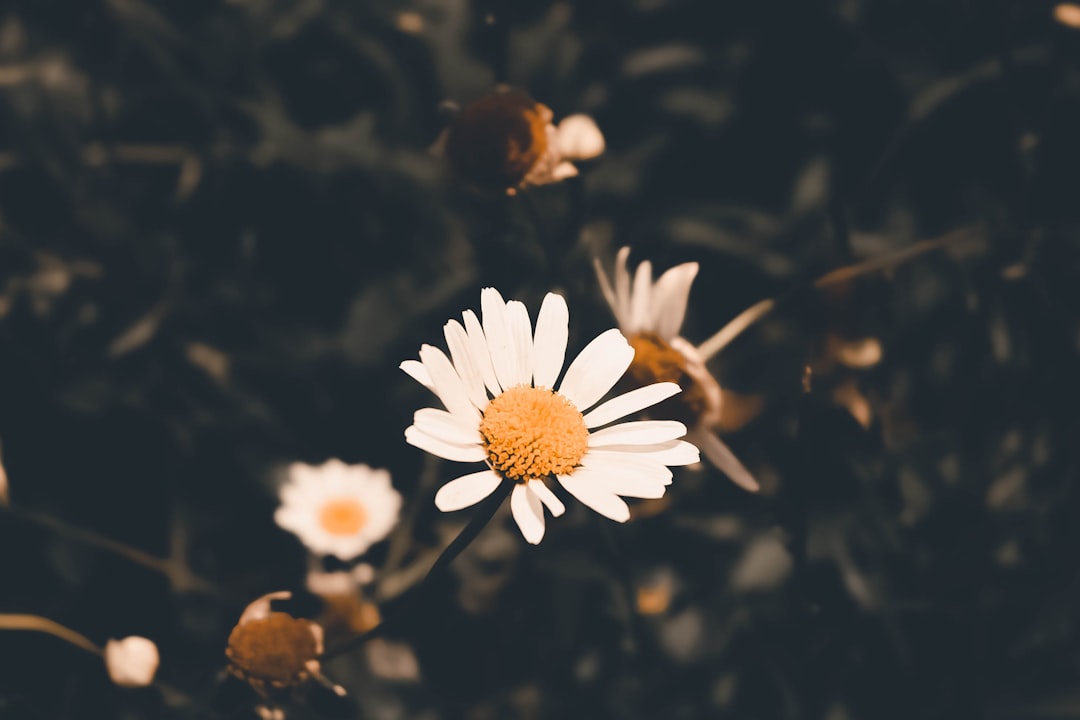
{"points": [[641, 299], [672, 452], [465, 364], [670, 295], [642, 432], [448, 385], [517, 316], [446, 426], [448, 451], [499, 340], [720, 455], [528, 513], [415, 369], [606, 288], [478, 346], [590, 489], [631, 402], [622, 288], [466, 490], [597, 369], [542, 491], [549, 342]]}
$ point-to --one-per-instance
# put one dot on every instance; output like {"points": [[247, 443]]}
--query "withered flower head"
{"points": [[271, 649], [505, 141], [650, 314]]}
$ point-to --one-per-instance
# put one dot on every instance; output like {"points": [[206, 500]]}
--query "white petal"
{"points": [[528, 513], [597, 369], [465, 365], [672, 452], [520, 326], [479, 348], [579, 138], [631, 402], [466, 490], [448, 451], [499, 340], [542, 491], [415, 369], [642, 432], [590, 489], [448, 385], [563, 171], [720, 455], [626, 474], [622, 287], [670, 295], [606, 289], [447, 427], [641, 299], [549, 343]]}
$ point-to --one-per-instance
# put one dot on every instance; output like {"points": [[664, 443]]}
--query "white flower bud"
{"points": [[131, 662], [580, 138]]}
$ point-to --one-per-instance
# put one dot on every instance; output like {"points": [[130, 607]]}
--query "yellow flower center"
{"points": [[656, 361], [342, 516], [532, 433], [276, 649], [496, 140]]}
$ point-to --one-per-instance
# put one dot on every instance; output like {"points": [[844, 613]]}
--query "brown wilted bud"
{"points": [[506, 140], [273, 650]]}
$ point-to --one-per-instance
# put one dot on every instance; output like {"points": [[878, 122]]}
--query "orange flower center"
{"points": [[656, 361], [532, 433], [342, 516], [495, 141]]}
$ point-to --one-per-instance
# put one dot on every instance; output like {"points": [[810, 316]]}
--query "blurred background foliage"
{"points": [[221, 230]]}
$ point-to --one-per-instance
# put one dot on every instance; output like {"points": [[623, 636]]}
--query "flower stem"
{"points": [[36, 623], [485, 511]]}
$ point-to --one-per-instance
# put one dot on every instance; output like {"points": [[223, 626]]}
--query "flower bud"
{"points": [[131, 662]]}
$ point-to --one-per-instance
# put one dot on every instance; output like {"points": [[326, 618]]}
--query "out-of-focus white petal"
{"points": [[642, 432], [466, 490], [448, 385], [641, 299], [597, 369], [670, 295], [542, 491], [448, 451], [415, 369], [478, 346], [631, 402], [606, 288], [590, 489], [579, 138], [528, 513], [563, 170], [549, 342], [457, 340], [622, 288], [720, 455], [446, 427]]}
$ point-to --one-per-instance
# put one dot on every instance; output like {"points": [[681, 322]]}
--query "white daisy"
{"points": [[501, 410], [651, 315], [338, 509]]}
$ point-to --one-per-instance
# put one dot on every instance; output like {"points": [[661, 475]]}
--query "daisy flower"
{"points": [[651, 314], [506, 141], [338, 509], [502, 410]]}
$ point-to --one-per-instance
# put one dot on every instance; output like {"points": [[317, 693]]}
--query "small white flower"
{"points": [[579, 138], [651, 315], [501, 409], [131, 662], [338, 509]]}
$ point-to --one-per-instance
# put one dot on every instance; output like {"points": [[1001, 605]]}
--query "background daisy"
{"points": [[338, 509]]}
